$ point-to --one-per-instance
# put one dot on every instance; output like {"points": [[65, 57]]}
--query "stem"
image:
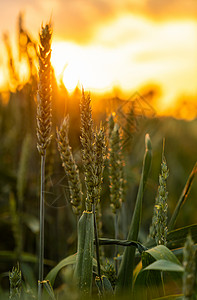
{"points": [[124, 220], [116, 237], [41, 242], [163, 286], [96, 242]]}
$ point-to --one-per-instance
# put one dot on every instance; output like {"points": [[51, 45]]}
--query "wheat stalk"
{"points": [[93, 156], [44, 125]]}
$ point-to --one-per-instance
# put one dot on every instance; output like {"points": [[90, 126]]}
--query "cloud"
{"points": [[77, 20], [171, 8]]}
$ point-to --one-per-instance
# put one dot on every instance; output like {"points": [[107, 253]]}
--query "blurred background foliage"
{"points": [[20, 166]]}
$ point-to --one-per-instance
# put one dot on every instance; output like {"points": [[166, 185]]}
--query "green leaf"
{"points": [[149, 280], [85, 249], [165, 265], [183, 197], [148, 285], [161, 252], [70, 260], [51, 276], [125, 275], [176, 238]]}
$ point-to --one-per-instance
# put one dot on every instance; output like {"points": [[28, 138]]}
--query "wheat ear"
{"points": [[158, 229], [70, 166]]}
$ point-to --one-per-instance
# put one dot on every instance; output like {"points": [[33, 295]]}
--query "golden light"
{"points": [[3, 79], [23, 70], [71, 76], [131, 52], [81, 66]]}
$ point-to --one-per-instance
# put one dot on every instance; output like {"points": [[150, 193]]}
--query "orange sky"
{"points": [[127, 43], [77, 19]]}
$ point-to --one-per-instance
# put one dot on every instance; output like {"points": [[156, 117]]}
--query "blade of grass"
{"points": [[125, 276], [183, 197]]}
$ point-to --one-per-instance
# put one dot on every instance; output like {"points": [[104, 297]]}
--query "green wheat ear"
{"points": [[70, 166], [189, 268], [158, 229], [88, 141], [116, 165], [44, 91], [100, 156], [15, 283], [93, 153]]}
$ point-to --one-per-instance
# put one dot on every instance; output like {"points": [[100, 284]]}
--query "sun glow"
{"points": [[89, 66], [3, 81], [23, 70], [129, 53]]}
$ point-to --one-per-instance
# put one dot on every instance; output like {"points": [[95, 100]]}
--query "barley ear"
{"points": [[44, 91]]}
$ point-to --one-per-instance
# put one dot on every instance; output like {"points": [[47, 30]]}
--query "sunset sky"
{"points": [[125, 43]]}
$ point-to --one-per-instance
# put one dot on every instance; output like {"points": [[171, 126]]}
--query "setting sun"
{"points": [[130, 52]]}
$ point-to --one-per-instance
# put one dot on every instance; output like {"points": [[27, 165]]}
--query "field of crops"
{"points": [[97, 199]]}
